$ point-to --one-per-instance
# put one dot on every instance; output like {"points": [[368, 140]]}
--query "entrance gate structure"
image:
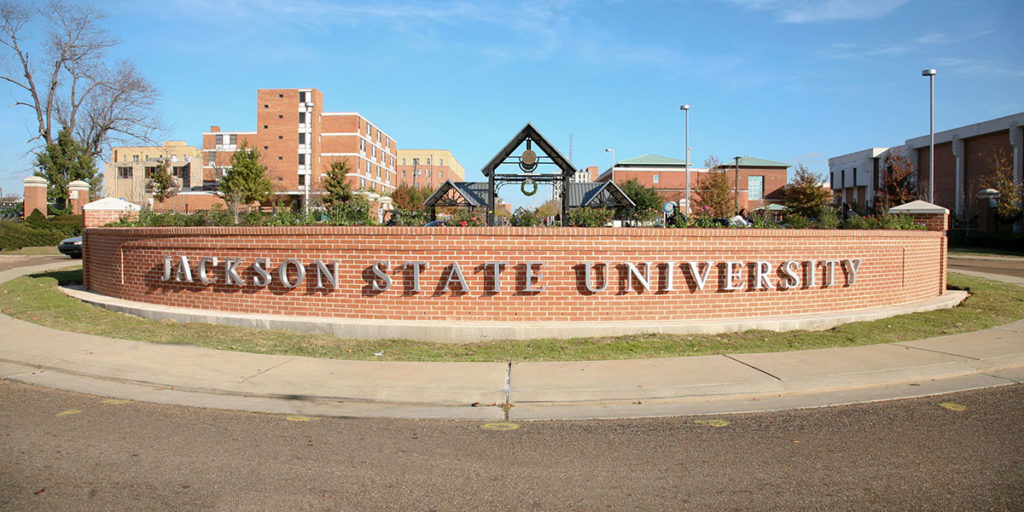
{"points": [[528, 163], [573, 194]]}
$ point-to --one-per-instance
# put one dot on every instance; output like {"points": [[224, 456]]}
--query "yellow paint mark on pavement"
{"points": [[114, 401], [504, 426], [69, 412], [712, 423], [953, 406], [300, 418]]}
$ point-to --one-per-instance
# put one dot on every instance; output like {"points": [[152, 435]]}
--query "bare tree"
{"points": [[66, 80]]}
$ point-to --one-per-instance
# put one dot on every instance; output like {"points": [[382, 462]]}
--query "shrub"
{"points": [[797, 221], [590, 217], [467, 217]]}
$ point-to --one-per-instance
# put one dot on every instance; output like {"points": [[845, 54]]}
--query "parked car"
{"points": [[437, 223], [71, 246]]}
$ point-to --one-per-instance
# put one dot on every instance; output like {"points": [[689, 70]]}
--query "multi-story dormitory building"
{"points": [[298, 141]]}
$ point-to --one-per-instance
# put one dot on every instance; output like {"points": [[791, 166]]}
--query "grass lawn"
{"points": [[966, 251], [36, 299], [33, 251]]}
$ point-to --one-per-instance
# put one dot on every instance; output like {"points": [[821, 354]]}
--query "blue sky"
{"points": [[795, 81]]}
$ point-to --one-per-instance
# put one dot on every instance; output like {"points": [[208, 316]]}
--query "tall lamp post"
{"points": [[612, 151], [736, 191], [930, 73], [686, 109]]}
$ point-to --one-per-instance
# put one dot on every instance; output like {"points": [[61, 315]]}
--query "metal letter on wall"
{"points": [[300, 273]]}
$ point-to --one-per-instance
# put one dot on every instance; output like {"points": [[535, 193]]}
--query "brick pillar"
{"points": [[106, 210], [78, 195], [934, 218], [35, 195]]}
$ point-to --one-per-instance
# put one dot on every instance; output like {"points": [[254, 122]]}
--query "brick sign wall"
{"points": [[543, 274]]}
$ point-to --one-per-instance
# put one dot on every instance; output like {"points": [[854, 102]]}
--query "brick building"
{"points": [[128, 170], [961, 156], [428, 168], [298, 141], [760, 181]]}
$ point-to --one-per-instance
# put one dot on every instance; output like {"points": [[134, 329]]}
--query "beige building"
{"points": [[126, 174], [428, 167]]}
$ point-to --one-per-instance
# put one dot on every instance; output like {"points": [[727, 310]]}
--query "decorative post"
{"points": [[35, 195], [78, 196]]}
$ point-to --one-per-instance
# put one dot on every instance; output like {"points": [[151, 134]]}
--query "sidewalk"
{"points": [[187, 375]]}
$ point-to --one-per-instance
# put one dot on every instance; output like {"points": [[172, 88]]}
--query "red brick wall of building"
{"points": [[896, 267], [977, 151]]}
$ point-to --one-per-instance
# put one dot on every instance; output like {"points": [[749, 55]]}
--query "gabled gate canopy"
{"points": [[529, 133], [603, 194], [458, 193]]}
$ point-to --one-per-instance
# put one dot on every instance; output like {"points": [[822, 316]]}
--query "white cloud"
{"points": [[818, 11]]}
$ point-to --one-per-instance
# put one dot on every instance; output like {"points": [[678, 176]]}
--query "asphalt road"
{"points": [[1004, 266], [67, 451]]}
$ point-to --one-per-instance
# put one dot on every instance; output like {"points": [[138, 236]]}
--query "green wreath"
{"points": [[532, 191]]}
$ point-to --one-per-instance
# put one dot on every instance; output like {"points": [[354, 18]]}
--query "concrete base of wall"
{"points": [[472, 332]]}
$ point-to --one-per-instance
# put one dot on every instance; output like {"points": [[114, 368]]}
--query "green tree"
{"points": [[647, 200], [806, 195], [246, 182], [164, 186], [336, 189], [714, 195], [64, 162]]}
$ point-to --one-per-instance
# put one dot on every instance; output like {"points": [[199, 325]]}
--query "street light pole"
{"points": [[686, 109], [612, 151], [930, 73], [736, 189]]}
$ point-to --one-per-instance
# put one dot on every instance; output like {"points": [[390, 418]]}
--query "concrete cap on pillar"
{"points": [[78, 185], [35, 181], [919, 207]]}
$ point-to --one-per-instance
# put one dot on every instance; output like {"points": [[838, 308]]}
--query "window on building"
{"points": [[302, 138], [266, 148], [302, 179], [403, 174], [403, 161], [234, 139], [362, 182], [854, 177], [302, 159], [428, 160], [362, 145], [280, 95], [302, 118], [220, 140], [265, 127], [656, 179], [842, 178], [755, 188], [266, 106], [124, 172], [280, 116], [302, 96], [373, 149], [440, 161], [135, 158]]}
